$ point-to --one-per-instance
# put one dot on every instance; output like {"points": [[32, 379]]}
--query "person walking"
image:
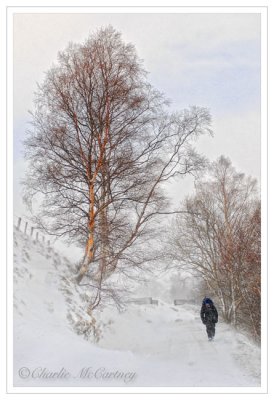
{"points": [[209, 317]]}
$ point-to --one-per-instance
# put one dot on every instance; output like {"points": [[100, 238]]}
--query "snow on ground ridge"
{"points": [[147, 345]]}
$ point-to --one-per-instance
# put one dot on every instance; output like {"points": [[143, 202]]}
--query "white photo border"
{"points": [[10, 11]]}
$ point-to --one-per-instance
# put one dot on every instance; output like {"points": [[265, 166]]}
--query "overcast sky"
{"points": [[210, 60]]}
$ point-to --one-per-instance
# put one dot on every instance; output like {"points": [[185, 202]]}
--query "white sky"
{"points": [[210, 60]]}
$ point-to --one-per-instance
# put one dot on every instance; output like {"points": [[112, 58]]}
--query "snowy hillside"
{"points": [[145, 345]]}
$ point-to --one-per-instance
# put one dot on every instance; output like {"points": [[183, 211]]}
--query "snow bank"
{"points": [[145, 345]]}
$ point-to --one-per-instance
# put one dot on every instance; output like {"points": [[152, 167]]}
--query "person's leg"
{"points": [[213, 330], [208, 330]]}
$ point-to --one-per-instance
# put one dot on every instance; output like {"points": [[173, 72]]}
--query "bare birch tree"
{"points": [[216, 236], [101, 146]]}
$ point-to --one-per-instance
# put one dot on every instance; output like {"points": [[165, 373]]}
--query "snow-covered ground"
{"points": [[145, 345]]}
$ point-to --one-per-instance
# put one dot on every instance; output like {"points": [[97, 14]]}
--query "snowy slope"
{"points": [[144, 345]]}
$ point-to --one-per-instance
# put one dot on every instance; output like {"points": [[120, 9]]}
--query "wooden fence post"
{"points": [[19, 223], [26, 225], [31, 231]]}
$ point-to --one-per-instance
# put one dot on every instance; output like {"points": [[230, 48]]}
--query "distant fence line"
{"points": [[24, 226], [143, 301], [181, 302], [150, 300]]}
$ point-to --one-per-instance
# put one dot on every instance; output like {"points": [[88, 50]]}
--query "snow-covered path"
{"points": [[174, 340], [146, 345]]}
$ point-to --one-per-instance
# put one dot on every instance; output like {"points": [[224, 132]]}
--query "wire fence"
{"points": [[23, 224]]}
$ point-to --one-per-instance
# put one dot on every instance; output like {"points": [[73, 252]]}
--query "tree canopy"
{"points": [[101, 146]]}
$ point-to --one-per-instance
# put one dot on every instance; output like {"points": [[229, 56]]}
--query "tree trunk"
{"points": [[100, 167], [104, 242], [233, 302], [89, 252]]}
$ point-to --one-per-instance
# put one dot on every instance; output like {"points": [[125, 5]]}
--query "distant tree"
{"points": [[101, 147], [249, 247], [218, 236]]}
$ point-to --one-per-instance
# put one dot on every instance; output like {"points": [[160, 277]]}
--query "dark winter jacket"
{"points": [[209, 315]]}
